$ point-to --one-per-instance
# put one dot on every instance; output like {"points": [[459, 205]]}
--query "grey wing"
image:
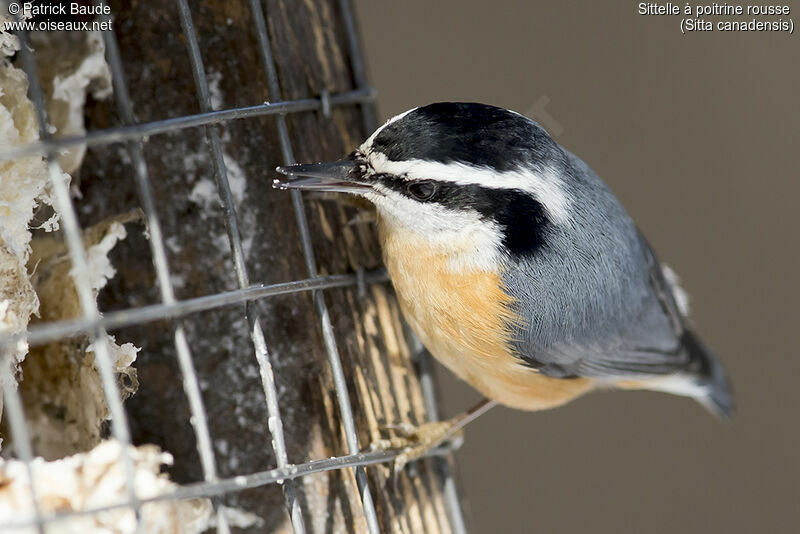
{"points": [[649, 341], [595, 300], [636, 358], [654, 344]]}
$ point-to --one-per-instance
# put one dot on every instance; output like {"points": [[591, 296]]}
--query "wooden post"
{"points": [[311, 55]]}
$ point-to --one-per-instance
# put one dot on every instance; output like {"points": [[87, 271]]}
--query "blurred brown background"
{"points": [[698, 136]]}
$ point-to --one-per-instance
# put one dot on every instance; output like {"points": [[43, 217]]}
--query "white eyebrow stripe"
{"points": [[545, 187]]}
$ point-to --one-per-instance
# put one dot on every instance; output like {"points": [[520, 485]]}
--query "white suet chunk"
{"points": [[95, 479]]}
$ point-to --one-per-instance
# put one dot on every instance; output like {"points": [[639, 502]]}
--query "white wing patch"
{"points": [[680, 295], [677, 384]]}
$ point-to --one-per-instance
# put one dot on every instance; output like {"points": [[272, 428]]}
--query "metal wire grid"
{"points": [[95, 325]]}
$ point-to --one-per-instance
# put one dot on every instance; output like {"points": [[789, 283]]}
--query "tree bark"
{"points": [[310, 50]]}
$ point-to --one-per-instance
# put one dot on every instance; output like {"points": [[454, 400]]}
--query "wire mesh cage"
{"points": [[218, 373]]}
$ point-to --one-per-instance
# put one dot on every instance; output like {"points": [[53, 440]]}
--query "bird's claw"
{"points": [[413, 442]]}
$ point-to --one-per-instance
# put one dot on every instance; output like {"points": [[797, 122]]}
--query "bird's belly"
{"points": [[463, 319]]}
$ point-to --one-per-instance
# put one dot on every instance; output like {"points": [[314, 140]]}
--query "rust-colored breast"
{"points": [[464, 319]]}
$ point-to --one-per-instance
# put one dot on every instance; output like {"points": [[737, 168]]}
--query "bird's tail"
{"points": [[713, 387]]}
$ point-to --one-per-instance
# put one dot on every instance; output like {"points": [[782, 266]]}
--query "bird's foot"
{"points": [[415, 441]]}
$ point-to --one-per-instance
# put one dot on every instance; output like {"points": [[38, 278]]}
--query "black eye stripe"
{"points": [[521, 217], [389, 181], [422, 190]]}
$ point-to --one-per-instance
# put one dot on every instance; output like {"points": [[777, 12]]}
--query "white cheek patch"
{"points": [[471, 243], [546, 187]]}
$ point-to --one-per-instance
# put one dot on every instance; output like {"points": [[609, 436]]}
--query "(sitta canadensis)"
{"points": [[514, 263]]}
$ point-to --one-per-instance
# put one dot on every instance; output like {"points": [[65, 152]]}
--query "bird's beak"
{"points": [[336, 176]]}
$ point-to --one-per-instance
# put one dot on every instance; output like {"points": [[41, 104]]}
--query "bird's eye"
{"points": [[422, 190]]}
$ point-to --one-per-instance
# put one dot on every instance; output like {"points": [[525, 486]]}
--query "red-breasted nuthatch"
{"points": [[515, 264]]}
